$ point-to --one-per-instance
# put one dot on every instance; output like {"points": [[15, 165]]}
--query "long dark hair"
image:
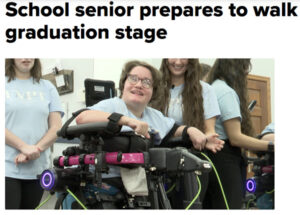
{"points": [[192, 101], [234, 72], [35, 72]]}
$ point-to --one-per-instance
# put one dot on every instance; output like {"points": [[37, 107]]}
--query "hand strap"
{"points": [[270, 146], [113, 127], [185, 136], [187, 143]]}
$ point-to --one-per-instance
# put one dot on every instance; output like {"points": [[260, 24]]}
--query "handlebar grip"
{"points": [[97, 128]]}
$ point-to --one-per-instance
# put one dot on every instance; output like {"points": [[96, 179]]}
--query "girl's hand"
{"points": [[214, 144]]}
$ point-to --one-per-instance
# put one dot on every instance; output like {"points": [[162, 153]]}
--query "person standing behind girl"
{"points": [[205, 71], [32, 117], [228, 78], [188, 100]]}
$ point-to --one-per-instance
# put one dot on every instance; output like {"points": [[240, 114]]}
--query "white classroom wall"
{"points": [[110, 69], [266, 67], [83, 68]]}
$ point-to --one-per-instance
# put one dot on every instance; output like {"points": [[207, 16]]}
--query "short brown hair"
{"points": [[156, 77], [35, 72]]}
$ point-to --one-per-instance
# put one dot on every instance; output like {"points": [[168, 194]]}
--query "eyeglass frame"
{"points": [[144, 84]]}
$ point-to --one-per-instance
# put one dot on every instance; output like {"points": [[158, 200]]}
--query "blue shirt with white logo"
{"points": [[27, 108]]}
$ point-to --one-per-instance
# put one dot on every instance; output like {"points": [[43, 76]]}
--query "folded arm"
{"points": [[30, 151], [54, 124], [201, 140]]}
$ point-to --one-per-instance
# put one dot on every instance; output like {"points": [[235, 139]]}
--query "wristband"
{"points": [[185, 136], [187, 143], [270, 146], [112, 126]]}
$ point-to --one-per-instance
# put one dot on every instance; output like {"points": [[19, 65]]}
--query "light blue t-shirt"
{"points": [[154, 118], [229, 104], [210, 103], [269, 128], [27, 107]]}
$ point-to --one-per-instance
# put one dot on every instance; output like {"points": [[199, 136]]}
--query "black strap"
{"points": [[270, 146], [261, 135], [187, 143], [185, 136], [164, 142], [113, 127]]}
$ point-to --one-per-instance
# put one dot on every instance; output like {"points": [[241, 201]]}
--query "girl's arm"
{"points": [[90, 116], [238, 139], [210, 125], [31, 151], [54, 122]]}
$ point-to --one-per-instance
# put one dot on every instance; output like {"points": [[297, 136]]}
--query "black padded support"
{"points": [[165, 142], [63, 131]]}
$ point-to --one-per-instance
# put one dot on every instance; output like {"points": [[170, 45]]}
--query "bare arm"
{"points": [[269, 137], [13, 140], [90, 116], [31, 151], [201, 140], [210, 126], [213, 144], [233, 131], [54, 121]]}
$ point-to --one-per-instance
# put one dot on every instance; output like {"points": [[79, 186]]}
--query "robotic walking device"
{"points": [[80, 169]]}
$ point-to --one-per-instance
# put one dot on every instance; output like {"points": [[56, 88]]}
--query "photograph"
{"points": [[170, 133]]}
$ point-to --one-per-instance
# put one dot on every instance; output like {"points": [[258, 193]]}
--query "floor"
{"points": [[50, 204]]}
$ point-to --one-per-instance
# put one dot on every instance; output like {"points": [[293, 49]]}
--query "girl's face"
{"points": [[177, 66], [23, 64], [138, 87]]}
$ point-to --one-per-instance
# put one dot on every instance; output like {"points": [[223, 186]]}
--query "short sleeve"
{"points": [[210, 102], [111, 105], [269, 129], [104, 105], [55, 104], [229, 106]]}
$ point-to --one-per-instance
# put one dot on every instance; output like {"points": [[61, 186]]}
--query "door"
{"points": [[259, 90]]}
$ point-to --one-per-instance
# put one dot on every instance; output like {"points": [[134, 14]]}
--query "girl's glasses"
{"points": [[134, 79]]}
